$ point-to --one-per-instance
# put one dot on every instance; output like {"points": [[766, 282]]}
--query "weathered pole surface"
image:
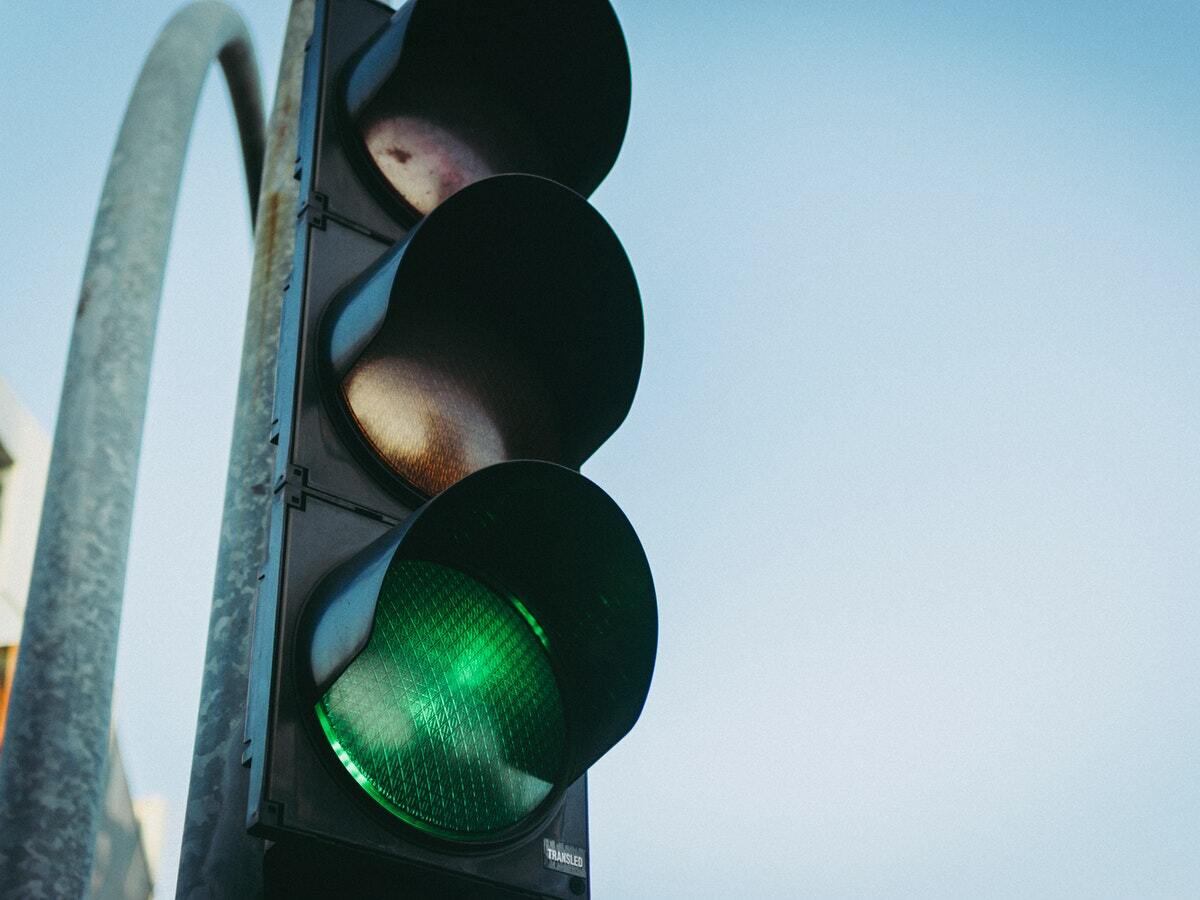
{"points": [[56, 743], [218, 858]]}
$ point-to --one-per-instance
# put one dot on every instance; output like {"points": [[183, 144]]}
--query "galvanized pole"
{"points": [[55, 748], [218, 858]]}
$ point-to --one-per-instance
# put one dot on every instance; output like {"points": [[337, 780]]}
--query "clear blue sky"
{"points": [[914, 456]]}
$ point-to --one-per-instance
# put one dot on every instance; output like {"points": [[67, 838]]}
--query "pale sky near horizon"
{"points": [[913, 455]]}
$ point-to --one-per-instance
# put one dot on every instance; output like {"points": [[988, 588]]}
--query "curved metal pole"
{"points": [[55, 749], [218, 858]]}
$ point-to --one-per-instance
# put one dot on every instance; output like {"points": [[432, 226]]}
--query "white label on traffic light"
{"points": [[565, 858]]}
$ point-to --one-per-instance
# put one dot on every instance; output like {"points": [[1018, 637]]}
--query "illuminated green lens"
{"points": [[450, 717]]}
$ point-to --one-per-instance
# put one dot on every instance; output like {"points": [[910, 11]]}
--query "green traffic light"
{"points": [[451, 717], [470, 664]]}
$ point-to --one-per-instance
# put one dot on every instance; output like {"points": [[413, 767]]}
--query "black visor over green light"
{"points": [[477, 659]]}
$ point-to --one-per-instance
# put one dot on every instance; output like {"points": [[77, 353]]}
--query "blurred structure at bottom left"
{"points": [[130, 834]]}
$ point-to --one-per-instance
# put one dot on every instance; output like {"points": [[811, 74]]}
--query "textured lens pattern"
{"points": [[430, 137], [437, 405], [451, 717]]}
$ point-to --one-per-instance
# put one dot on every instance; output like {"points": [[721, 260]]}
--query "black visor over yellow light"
{"points": [[452, 91], [506, 325], [477, 659]]}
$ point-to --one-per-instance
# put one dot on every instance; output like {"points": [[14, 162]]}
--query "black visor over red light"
{"points": [[452, 91]]}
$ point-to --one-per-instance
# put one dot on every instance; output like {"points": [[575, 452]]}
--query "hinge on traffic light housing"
{"points": [[293, 484], [315, 211], [296, 490]]}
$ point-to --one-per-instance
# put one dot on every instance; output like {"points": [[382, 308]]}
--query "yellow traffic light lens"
{"points": [[436, 408], [451, 717], [506, 325]]}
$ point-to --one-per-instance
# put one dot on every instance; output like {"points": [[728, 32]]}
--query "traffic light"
{"points": [[453, 624]]}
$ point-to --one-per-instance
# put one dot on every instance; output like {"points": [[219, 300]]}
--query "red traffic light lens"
{"points": [[452, 91]]}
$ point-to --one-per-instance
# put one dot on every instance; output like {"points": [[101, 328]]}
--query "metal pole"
{"points": [[55, 748], [218, 858]]}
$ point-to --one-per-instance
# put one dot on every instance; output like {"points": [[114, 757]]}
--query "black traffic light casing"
{"points": [[542, 366]]}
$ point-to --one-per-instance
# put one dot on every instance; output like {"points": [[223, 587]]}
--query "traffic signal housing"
{"points": [[453, 624]]}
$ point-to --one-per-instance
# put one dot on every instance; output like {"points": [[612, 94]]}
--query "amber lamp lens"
{"points": [[435, 411]]}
